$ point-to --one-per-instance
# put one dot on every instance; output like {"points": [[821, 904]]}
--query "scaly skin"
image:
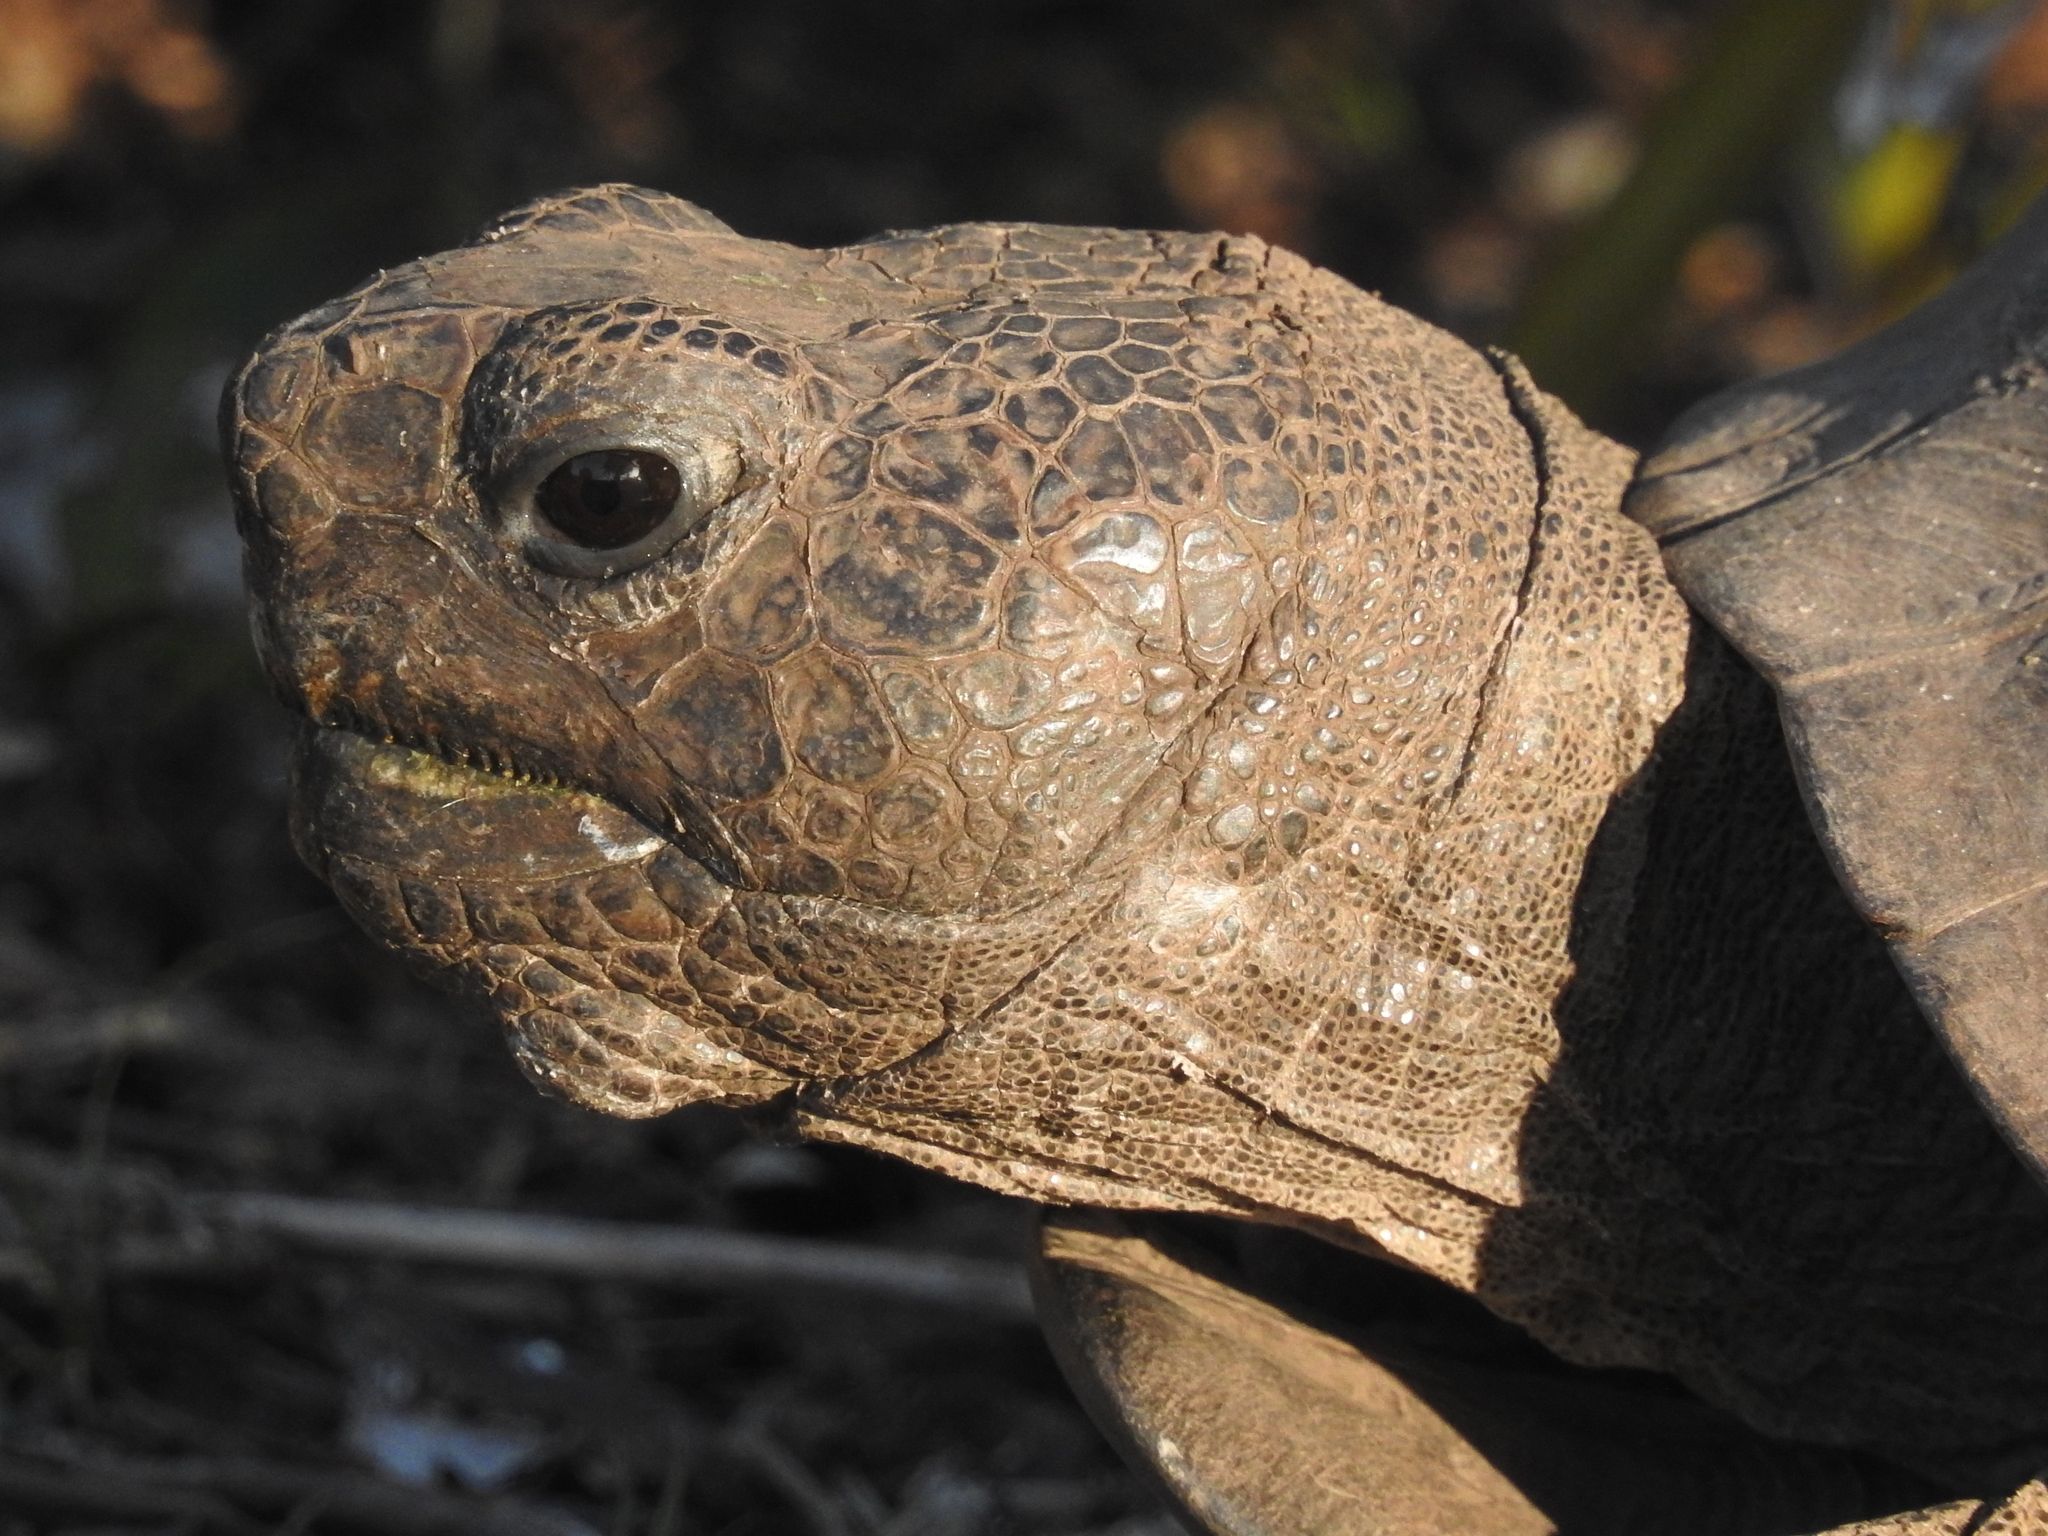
{"points": [[1138, 722]]}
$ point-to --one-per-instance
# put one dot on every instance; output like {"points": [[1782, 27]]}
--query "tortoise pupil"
{"points": [[611, 498]]}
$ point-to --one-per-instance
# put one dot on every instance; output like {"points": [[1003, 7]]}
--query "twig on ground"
{"points": [[623, 1251], [207, 1488], [152, 1228], [41, 1488], [753, 1444]]}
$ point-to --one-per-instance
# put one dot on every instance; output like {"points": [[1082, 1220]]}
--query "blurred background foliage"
{"points": [[1648, 198], [1645, 197]]}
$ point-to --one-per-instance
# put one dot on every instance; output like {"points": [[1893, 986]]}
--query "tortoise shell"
{"points": [[1872, 533]]}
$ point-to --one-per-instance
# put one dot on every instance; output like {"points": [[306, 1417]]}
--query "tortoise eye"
{"points": [[611, 498]]}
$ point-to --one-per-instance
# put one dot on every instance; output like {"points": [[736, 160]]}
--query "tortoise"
{"points": [[1131, 720]]}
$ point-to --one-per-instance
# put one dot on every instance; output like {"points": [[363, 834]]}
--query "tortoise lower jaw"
{"points": [[425, 816], [530, 897]]}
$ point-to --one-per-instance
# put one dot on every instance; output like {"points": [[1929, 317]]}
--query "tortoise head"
{"points": [[1009, 690], [735, 660]]}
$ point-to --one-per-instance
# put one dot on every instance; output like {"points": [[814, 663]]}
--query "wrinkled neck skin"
{"points": [[1325, 992], [1561, 1004], [1565, 1007]]}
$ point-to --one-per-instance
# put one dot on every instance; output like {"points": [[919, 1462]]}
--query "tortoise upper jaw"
{"points": [[421, 815]]}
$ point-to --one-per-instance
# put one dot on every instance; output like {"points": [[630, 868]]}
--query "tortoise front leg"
{"points": [[2024, 1513], [1416, 1415], [1254, 1422]]}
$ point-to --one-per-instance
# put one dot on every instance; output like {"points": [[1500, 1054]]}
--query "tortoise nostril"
{"points": [[340, 347]]}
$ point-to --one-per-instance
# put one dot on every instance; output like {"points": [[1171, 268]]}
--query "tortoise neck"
{"points": [[1707, 921], [1747, 1111], [1735, 921]]}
